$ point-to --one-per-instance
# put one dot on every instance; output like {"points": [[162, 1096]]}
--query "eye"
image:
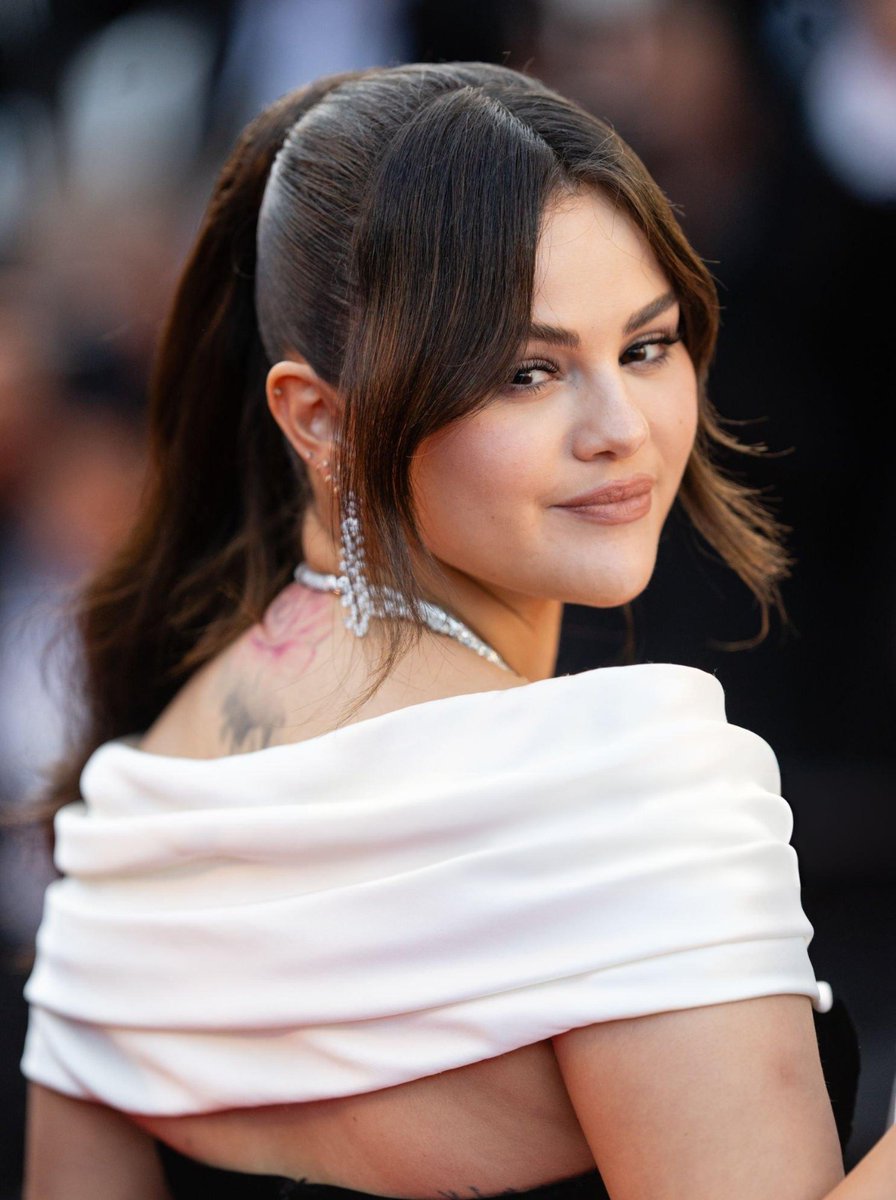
{"points": [[532, 375], [649, 350]]}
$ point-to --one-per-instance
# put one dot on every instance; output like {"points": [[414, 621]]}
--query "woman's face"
{"points": [[603, 394]]}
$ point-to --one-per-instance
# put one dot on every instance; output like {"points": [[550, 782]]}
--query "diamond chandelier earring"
{"points": [[354, 589], [363, 602], [351, 583]]}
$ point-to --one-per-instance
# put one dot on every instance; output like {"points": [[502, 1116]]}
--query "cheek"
{"points": [[473, 480], [674, 425]]}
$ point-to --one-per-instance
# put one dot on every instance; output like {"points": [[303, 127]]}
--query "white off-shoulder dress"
{"points": [[411, 893]]}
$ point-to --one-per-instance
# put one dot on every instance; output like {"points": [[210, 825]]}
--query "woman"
{"points": [[371, 901]]}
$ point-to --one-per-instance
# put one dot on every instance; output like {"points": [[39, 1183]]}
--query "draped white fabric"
{"points": [[411, 893]]}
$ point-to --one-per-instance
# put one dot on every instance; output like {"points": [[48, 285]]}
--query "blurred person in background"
{"points": [[74, 502], [73, 467], [849, 98]]}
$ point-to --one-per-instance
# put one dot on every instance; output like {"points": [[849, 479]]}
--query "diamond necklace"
{"points": [[387, 603]]}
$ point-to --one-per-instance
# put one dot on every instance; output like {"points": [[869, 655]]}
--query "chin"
{"points": [[606, 586]]}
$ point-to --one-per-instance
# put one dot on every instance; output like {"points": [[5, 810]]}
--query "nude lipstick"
{"points": [[614, 503]]}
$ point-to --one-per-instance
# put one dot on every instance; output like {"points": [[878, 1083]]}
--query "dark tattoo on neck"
{"points": [[275, 654], [244, 727]]}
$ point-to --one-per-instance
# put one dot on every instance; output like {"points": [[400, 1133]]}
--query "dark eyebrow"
{"points": [[649, 312], [556, 336], [553, 335]]}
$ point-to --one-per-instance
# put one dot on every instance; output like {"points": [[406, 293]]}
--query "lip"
{"points": [[614, 503], [612, 493]]}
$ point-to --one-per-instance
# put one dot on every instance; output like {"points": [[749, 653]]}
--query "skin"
{"points": [[284, 647], [722, 1100], [571, 419]]}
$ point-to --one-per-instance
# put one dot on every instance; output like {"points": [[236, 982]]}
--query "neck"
{"points": [[525, 630]]}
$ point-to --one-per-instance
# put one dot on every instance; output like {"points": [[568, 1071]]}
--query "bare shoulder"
{"points": [[438, 667], [434, 668], [298, 673]]}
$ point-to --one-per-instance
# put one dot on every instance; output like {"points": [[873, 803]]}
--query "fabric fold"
{"points": [[412, 893]]}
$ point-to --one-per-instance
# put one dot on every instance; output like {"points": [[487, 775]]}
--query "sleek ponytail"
{"points": [[217, 531]]}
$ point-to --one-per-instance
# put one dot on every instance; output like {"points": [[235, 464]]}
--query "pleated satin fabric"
{"points": [[412, 893]]}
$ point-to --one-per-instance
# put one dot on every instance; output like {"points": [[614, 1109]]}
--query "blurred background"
{"points": [[772, 128]]}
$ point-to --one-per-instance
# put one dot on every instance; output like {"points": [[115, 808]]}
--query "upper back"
{"points": [[506, 1121], [298, 674]]}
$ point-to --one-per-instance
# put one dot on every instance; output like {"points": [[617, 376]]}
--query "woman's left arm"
{"points": [[725, 1100], [77, 1150]]}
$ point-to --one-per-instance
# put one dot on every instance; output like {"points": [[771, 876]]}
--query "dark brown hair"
{"points": [[395, 250]]}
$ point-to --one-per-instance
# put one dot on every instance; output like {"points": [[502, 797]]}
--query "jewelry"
{"points": [[354, 592], [385, 602], [323, 465]]}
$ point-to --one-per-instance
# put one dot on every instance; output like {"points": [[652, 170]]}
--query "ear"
{"points": [[305, 407]]}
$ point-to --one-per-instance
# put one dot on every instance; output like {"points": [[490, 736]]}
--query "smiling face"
{"points": [[604, 393]]}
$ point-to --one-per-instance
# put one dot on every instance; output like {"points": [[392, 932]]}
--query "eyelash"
{"points": [[542, 364]]}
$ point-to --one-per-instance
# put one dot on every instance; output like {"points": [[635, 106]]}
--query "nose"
{"points": [[611, 421]]}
